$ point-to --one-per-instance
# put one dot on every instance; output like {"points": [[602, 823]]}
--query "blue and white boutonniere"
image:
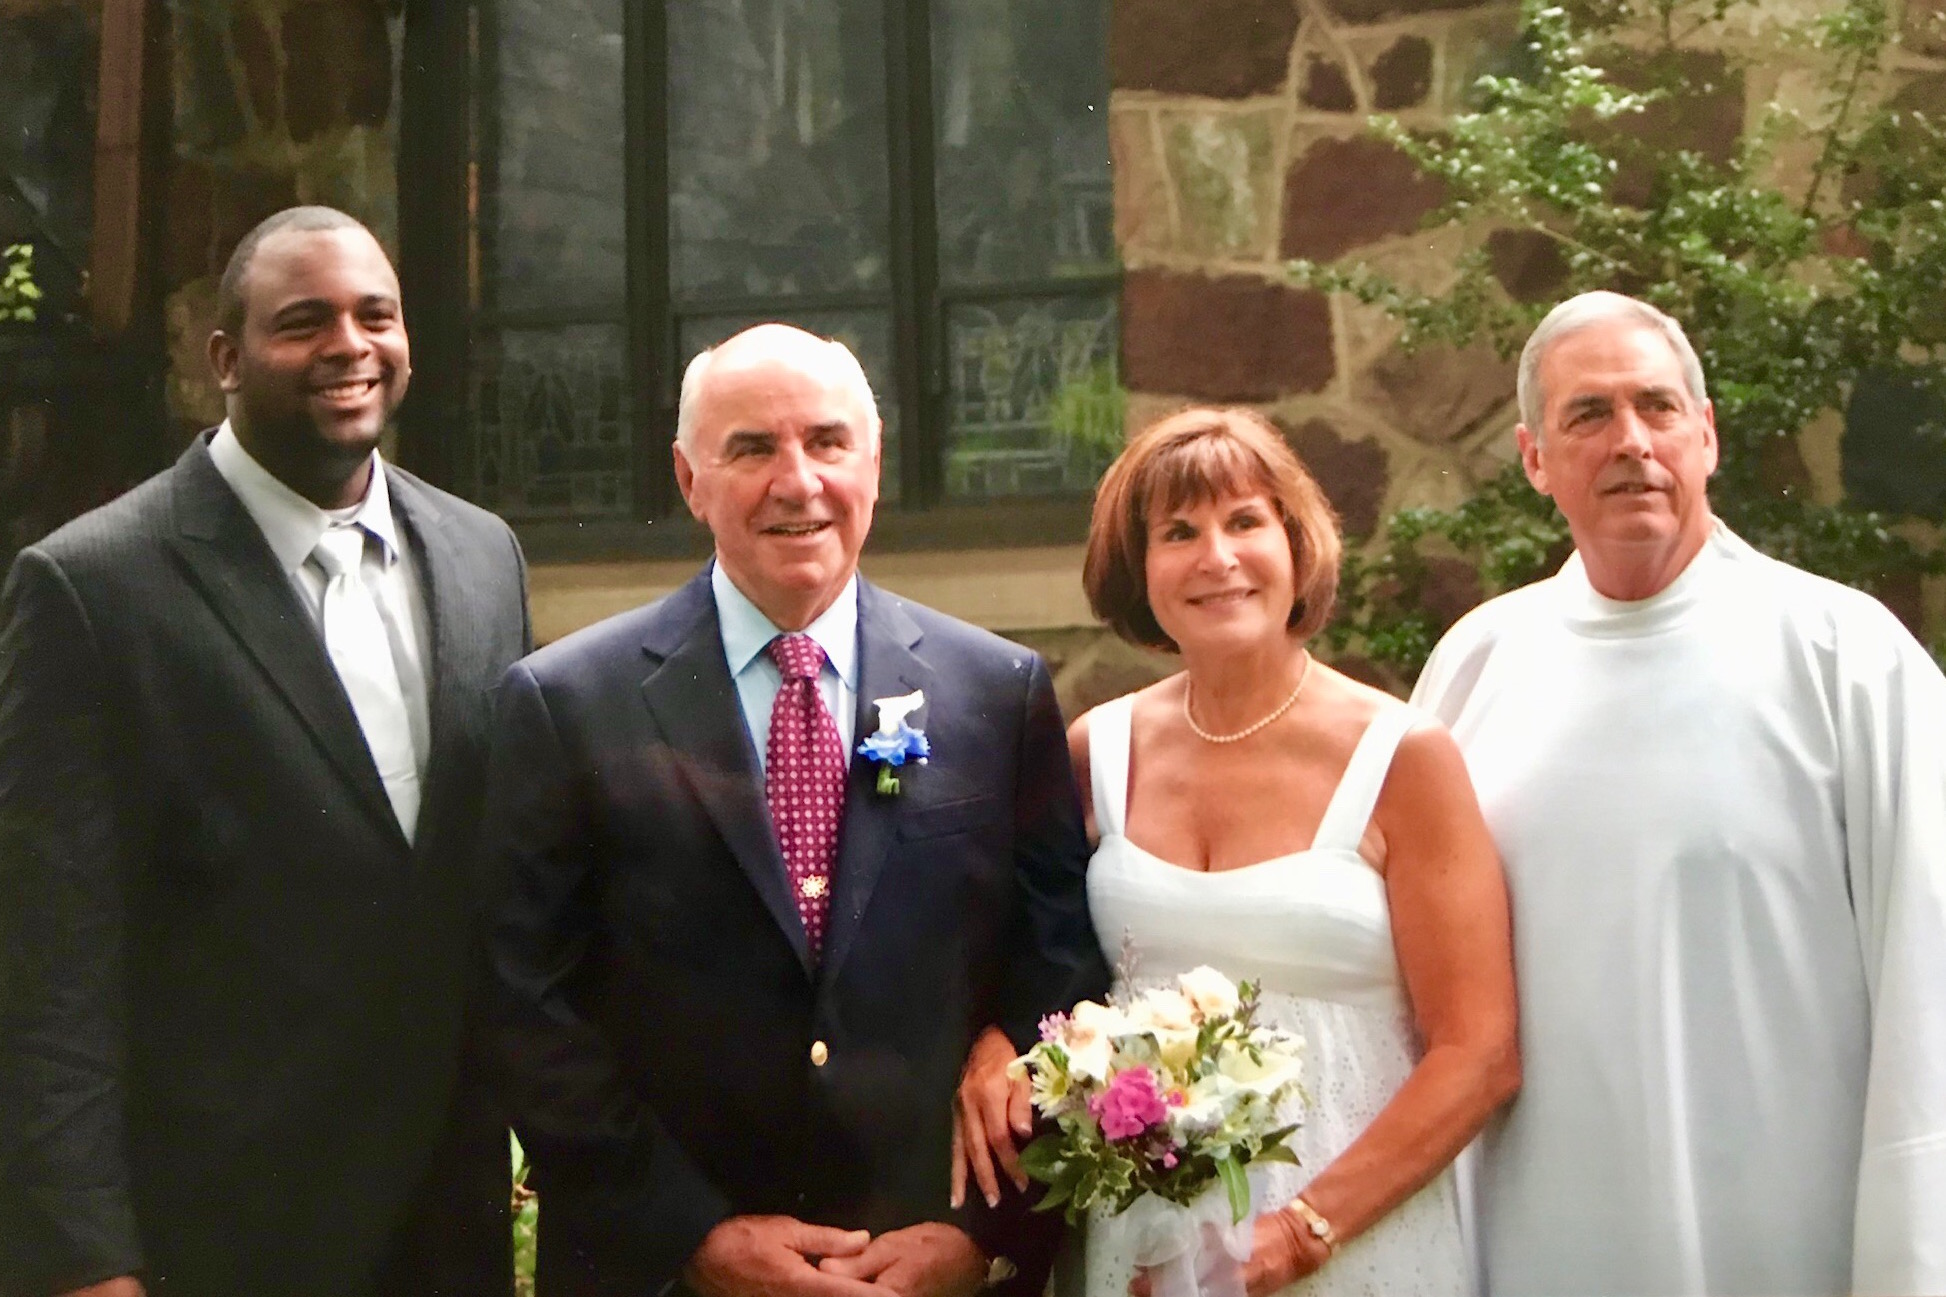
{"points": [[895, 742]]}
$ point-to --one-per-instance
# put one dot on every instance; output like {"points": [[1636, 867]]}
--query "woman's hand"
{"points": [[1281, 1253], [992, 1114]]}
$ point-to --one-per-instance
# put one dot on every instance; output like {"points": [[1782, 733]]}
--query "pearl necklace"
{"points": [[1248, 730]]}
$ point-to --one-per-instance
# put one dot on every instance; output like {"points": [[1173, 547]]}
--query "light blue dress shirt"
{"points": [[747, 633]]}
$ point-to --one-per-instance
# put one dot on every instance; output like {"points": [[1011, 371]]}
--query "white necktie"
{"points": [[354, 635]]}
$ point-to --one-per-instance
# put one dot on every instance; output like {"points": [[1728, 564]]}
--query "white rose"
{"points": [[1088, 1019], [1210, 993], [1205, 1106], [1165, 1009], [1089, 1039], [1175, 1048], [1267, 1077]]}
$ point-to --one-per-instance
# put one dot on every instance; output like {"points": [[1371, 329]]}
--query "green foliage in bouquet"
{"points": [[19, 295], [1790, 289]]}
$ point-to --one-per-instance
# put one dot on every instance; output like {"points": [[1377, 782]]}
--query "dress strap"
{"points": [[1108, 742], [1351, 805]]}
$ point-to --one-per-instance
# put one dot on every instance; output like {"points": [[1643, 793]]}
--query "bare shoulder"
{"points": [[1143, 703], [1428, 752], [1428, 780], [1343, 707], [1426, 769]]}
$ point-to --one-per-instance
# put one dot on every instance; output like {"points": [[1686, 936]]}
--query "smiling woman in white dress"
{"points": [[1264, 814]]}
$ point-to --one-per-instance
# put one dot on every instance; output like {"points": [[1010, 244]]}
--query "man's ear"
{"points": [[685, 479], [1530, 458], [1711, 448], [223, 356]]}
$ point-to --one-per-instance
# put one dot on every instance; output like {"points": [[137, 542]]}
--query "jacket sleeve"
{"points": [[1055, 959], [66, 1217], [1058, 960], [608, 1175]]}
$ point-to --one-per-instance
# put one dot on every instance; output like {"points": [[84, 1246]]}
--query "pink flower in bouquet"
{"points": [[1129, 1105]]}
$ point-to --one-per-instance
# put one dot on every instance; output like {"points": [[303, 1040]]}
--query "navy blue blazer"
{"points": [[675, 1056]]}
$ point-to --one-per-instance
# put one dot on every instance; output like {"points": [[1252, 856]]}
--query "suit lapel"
{"points": [[694, 703], [231, 564], [453, 668], [887, 666]]}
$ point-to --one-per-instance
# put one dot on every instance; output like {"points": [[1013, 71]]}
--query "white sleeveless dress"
{"points": [[1314, 931]]}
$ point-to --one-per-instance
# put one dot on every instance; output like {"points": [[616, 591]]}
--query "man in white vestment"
{"points": [[1719, 786]]}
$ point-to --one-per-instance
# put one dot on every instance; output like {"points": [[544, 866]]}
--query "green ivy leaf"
{"points": [[1236, 1185]]}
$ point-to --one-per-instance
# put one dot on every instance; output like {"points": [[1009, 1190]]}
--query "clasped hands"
{"points": [[779, 1256]]}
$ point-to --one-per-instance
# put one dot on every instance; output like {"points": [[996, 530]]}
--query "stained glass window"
{"points": [[1020, 120], [1021, 126], [777, 147], [553, 432], [557, 203], [550, 418], [926, 180]]}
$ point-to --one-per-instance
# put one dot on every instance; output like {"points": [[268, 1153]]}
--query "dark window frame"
{"points": [[446, 157]]}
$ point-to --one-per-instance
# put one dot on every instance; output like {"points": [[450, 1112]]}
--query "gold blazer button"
{"points": [[819, 1053]]}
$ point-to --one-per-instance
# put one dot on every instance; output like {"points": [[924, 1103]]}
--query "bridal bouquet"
{"points": [[1163, 1096]]}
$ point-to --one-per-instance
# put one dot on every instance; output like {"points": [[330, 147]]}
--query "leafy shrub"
{"points": [[19, 294], [1799, 257]]}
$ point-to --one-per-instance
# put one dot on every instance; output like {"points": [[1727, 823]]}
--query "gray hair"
{"points": [[1585, 311], [850, 372]]}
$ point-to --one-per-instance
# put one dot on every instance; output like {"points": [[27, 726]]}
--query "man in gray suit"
{"points": [[242, 723]]}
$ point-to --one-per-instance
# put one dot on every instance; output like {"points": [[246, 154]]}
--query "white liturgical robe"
{"points": [[1722, 811]]}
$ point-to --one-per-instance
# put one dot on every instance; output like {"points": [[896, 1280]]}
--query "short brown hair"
{"points": [[1193, 457]]}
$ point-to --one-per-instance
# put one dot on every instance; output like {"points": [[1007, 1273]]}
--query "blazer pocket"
{"points": [[949, 817]]}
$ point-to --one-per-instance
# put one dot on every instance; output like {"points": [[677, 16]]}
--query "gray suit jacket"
{"points": [[233, 999]]}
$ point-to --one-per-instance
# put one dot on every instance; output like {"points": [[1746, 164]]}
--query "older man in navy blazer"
{"points": [[739, 975]]}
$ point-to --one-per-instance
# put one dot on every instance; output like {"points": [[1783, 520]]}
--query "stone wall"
{"points": [[1239, 143], [276, 102], [1238, 130]]}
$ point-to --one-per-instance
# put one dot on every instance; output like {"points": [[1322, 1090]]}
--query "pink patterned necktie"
{"points": [[804, 780]]}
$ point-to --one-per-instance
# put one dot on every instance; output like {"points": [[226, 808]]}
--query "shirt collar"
{"points": [[747, 632], [292, 524]]}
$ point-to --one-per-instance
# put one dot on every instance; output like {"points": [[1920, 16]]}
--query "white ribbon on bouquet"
{"points": [[1188, 1251]]}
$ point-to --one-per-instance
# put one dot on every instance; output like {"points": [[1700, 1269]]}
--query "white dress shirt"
{"points": [[747, 633], [293, 526]]}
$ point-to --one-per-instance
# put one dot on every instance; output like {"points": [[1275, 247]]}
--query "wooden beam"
{"points": [[114, 260]]}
